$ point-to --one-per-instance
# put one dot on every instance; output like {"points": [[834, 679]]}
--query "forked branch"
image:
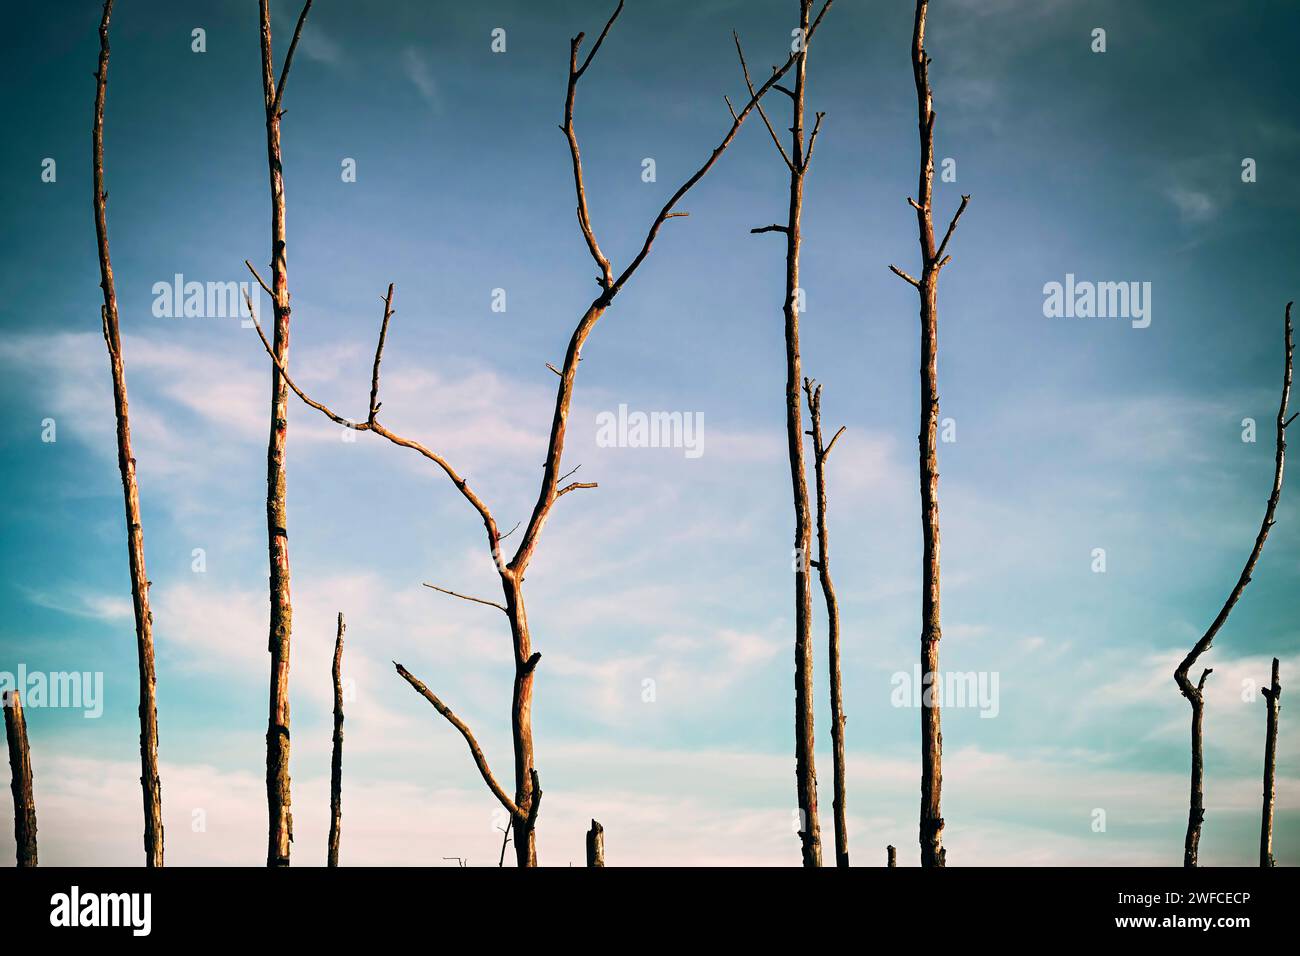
{"points": [[1195, 694], [274, 106], [372, 423], [550, 491]]}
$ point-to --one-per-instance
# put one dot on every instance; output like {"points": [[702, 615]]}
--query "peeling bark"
{"points": [[336, 760], [1273, 697], [20, 768], [279, 814], [150, 783], [1195, 693]]}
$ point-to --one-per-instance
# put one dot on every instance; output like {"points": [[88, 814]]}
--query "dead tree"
{"points": [[20, 769], [821, 452], [1273, 696], [891, 856], [150, 783], [279, 814], [933, 259], [336, 760], [596, 845], [522, 805], [1195, 693], [796, 161]]}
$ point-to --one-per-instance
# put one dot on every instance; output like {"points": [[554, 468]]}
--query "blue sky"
{"points": [[1072, 434]]}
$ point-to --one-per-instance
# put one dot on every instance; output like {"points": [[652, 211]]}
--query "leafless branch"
{"points": [[475, 751], [584, 215], [812, 138], [373, 424], [379, 353], [744, 68], [904, 276], [265, 288], [951, 226], [288, 59], [466, 597]]}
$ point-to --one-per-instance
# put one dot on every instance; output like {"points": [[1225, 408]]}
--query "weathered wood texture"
{"points": [[150, 783], [1273, 698], [796, 161], [933, 259], [596, 845], [20, 769], [279, 813], [821, 452]]}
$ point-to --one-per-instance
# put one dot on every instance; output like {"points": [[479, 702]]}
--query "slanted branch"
{"points": [[475, 750], [1195, 693]]}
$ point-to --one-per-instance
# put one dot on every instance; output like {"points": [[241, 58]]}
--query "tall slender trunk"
{"points": [[20, 768], [797, 162], [279, 815], [891, 856], [932, 262], [1195, 694], [1273, 697], [336, 760], [821, 452], [150, 783], [596, 845]]}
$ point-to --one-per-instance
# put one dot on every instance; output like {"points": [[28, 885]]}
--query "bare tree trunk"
{"points": [[932, 262], [797, 163], [1195, 694], [1273, 695], [596, 845], [336, 761], [20, 768], [279, 815], [150, 783], [891, 856], [821, 452], [521, 722], [523, 805]]}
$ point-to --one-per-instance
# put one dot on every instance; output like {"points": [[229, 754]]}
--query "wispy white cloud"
{"points": [[103, 607], [317, 45], [417, 69], [1193, 205]]}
